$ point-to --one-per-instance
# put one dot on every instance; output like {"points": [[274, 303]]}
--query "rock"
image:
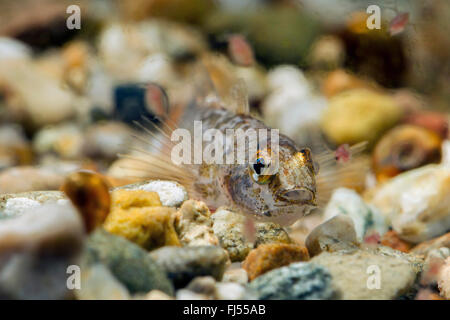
{"points": [[433, 264], [272, 256], [291, 105], [14, 146], [208, 288], [359, 115], [403, 148], [157, 295], [269, 232], [444, 279], [392, 240], [129, 263], [194, 224], [366, 218], [184, 264], [13, 49], [416, 202], [339, 81], [16, 204], [98, 283], [238, 275], [355, 273], [36, 249], [89, 193], [327, 52], [184, 294], [107, 140], [66, 140], [298, 281], [24, 178], [36, 98], [228, 227], [335, 234], [426, 247], [171, 193], [138, 216]]}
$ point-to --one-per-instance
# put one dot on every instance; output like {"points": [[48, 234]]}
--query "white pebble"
{"points": [[19, 206], [170, 193]]}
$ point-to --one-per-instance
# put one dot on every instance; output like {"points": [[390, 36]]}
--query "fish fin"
{"points": [[334, 174], [229, 90]]}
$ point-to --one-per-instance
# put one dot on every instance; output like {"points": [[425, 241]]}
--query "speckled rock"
{"points": [[444, 279], [128, 262], [36, 249], [14, 204], [228, 227], [194, 224], [298, 281], [171, 193], [366, 218], [272, 256], [24, 178], [184, 264], [138, 216], [98, 283], [355, 274], [335, 234], [359, 115], [425, 247]]}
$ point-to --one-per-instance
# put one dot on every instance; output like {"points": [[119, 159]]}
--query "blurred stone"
{"points": [[356, 274], [138, 216], [184, 264], [129, 263], [327, 53], [89, 193], [404, 148], [392, 240], [157, 295], [425, 247], [107, 140], [14, 147], [298, 281], [359, 115], [66, 140], [339, 81], [16, 204], [444, 279], [24, 178], [272, 256], [238, 275], [98, 283], [365, 217], [335, 234], [36, 248], [194, 224]]}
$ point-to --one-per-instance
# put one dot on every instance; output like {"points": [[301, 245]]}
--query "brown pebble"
{"points": [[89, 193], [391, 239], [272, 256]]}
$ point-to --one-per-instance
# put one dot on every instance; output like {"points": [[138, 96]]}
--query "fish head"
{"points": [[280, 189]]}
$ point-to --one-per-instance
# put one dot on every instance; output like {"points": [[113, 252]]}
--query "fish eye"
{"points": [[259, 170]]}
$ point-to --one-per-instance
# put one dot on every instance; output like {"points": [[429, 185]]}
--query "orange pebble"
{"points": [[391, 239]]}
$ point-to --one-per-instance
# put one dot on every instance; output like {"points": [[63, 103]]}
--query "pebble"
{"points": [[66, 140], [171, 193], [89, 193], [359, 115], [416, 202], [128, 262], [157, 295], [35, 250], [98, 283], [238, 275], [335, 234], [392, 240], [184, 264], [16, 204], [272, 256], [27, 178], [14, 147], [138, 216], [228, 227], [366, 218], [194, 224], [426, 247], [444, 279], [297, 281], [354, 273]]}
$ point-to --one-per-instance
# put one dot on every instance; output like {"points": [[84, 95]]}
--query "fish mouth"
{"points": [[298, 196]]}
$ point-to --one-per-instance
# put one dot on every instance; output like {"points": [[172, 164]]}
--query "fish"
{"points": [[280, 184]]}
